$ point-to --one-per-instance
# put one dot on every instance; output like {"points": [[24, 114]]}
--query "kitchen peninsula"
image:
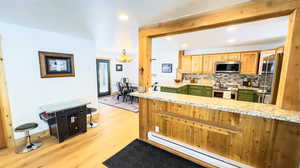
{"points": [[215, 132], [257, 135]]}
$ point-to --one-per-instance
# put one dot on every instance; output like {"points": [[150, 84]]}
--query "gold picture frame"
{"points": [[54, 65]]}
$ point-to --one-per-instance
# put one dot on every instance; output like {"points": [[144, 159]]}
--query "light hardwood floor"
{"points": [[117, 129]]}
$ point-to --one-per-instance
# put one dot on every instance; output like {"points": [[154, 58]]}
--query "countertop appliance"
{"points": [[228, 67]]}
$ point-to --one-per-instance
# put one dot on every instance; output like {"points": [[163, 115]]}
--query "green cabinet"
{"points": [[168, 89], [190, 89], [200, 91], [247, 95], [183, 90]]}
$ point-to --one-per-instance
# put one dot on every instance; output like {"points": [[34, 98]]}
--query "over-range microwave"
{"points": [[228, 67]]}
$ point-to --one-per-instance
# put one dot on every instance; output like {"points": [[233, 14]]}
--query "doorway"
{"points": [[103, 77]]}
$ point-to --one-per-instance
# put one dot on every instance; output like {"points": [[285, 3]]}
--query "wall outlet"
{"points": [[156, 128]]}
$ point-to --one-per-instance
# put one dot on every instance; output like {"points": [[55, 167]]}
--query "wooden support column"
{"points": [[5, 115], [145, 49], [143, 122], [289, 86]]}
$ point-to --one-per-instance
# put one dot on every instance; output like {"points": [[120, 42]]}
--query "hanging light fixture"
{"points": [[124, 57]]}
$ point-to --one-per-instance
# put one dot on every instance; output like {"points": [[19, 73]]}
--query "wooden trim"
{"points": [[5, 112], [103, 58], [145, 56], [236, 52], [246, 12], [44, 74], [199, 123], [289, 86]]}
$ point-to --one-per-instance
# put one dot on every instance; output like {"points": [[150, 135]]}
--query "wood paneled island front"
{"points": [[258, 135]]}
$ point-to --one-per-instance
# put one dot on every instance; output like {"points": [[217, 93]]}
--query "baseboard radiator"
{"points": [[208, 157]]}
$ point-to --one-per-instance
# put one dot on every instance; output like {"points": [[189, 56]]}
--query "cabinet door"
{"points": [[208, 64], [197, 64], [233, 57], [186, 62], [249, 62]]}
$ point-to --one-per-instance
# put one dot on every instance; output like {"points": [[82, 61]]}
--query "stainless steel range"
{"points": [[225, 92]]}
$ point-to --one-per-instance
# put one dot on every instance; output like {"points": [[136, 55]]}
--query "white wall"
{"points": [[164, 56], [130, 69], [27, 90]]}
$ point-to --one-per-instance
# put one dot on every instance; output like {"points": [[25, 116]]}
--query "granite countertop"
{"points": [[246, 108], [178, 85]]}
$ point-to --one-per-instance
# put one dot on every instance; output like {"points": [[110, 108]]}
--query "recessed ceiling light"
{"points": [[123, 17], [231, 28], [231, 40], [168, 38], [184, 46]]}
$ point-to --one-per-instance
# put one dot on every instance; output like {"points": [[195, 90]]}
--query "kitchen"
{"points": [[221, 99], [246, 71]]}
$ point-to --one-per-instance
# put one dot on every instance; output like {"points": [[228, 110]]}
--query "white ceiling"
{"points": [[97, 19], [253, 33]]}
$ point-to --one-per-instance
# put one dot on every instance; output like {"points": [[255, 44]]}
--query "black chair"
{"points": [[122, 91], [29, 145], [92, 124]]}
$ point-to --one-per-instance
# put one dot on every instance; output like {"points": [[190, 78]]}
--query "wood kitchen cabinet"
{"points": [[186, 63], [205, 64], [249, 62], [208, 64], [233, 57], [197, 64]]}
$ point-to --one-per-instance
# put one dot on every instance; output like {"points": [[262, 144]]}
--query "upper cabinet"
{"points": [[249, 62], [186, 64], [233, 56], [205, 64], [208, 64], [197, 64]]}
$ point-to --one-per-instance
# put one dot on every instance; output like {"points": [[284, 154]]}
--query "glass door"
{"points": [[103, 77]]}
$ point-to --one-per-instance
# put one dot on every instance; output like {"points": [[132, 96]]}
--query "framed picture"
{"points": [[166, 68], [54, 65], [119, 67]]}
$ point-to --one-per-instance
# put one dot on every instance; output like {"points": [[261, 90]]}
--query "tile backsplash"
{"points": [[233, 79]]}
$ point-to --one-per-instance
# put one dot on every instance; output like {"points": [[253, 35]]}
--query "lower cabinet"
{"points": [[190, 89], [168, 89], [247, 95], [183, 90], [205, 91]]}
